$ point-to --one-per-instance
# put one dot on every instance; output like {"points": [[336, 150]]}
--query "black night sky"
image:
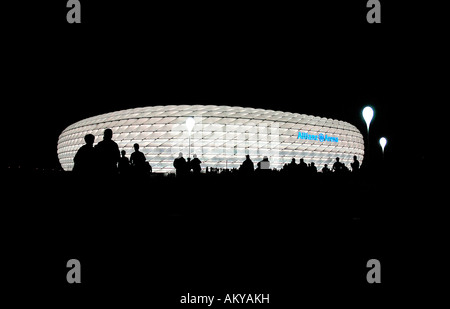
{"points": [[323, 60]]}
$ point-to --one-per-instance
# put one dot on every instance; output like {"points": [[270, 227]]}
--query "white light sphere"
{"points": [[190, 122], [367, 115], [383, 142]]}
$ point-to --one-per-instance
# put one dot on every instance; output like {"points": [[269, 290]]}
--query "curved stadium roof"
{"points": [[221, 137]]}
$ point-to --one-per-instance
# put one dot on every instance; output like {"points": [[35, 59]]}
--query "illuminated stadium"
{"points": [[221, 136]]}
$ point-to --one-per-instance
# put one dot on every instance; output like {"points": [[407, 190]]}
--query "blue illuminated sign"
{"points": [[319, 137]]}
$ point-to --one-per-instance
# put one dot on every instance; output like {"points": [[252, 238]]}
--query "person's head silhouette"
{"points": [[89, 139], [180, 155], [355, 158], [337, 159], [107, 135], [247, 157], [123, 152], [136, 147]]}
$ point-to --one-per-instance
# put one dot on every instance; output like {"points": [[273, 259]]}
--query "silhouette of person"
{"points": [[264, 164], [247, 166], [291, 167], [188, 165], [195, 164], [355, 165], [293, 164], [325, 169], [344, 168], [148, 168], [312, 168], [137, 160], [302, 166], [337, 166], [124, 164], [84, 160], [108, 154], [180, 165]]}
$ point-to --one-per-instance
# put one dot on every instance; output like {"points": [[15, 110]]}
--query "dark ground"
{"points": [[301, 240]]}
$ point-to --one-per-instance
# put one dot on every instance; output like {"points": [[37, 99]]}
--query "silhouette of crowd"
{"points": [[291, 169], [106, 159]]}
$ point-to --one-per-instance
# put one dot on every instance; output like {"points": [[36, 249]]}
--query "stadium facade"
{"points": [[221, 136]]}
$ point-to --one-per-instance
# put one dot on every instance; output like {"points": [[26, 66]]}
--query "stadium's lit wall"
{"points": [[221, 137]]}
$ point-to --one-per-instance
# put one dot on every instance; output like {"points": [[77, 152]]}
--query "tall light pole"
{"points": [[383, 142], [367, 114], [190, 122]]}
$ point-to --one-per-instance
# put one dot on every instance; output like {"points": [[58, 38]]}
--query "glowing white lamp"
{"points": [[383, 142], [367, 115], [190, 122]]}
